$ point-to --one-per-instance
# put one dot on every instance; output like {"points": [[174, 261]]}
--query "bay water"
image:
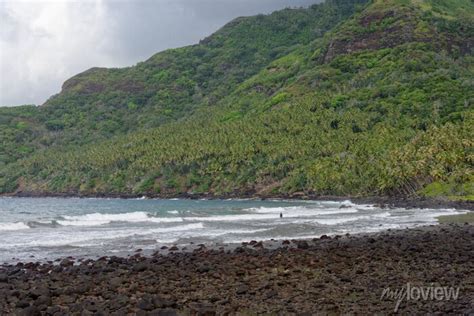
{"points": [[38, 229]]}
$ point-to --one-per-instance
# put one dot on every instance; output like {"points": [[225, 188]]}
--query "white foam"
{"points": [[384, 214], [97, 219], [295, 211], [167, 240], [233, 218], [336, 221], [13, 226], [272, 210], [106, 230], [180, 228], [273, 213], [427, 216], [221, 232], [345, 202], [342, 220], [55, 238]]}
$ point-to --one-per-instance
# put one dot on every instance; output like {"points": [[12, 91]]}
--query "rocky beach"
{"points": [[289, 157], [329, 275]]}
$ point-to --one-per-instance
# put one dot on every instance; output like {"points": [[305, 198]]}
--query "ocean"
{"points": [[39, 229]]}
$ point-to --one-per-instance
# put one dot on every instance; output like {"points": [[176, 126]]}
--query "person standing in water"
{"points": [[281, 215]]}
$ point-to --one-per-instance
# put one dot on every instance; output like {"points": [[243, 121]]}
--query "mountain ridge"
{"points": [[395, 118]]}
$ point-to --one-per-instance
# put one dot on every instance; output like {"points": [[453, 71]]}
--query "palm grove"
{"points": [[342, 98]]}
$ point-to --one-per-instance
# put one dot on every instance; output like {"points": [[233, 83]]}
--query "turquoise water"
{"points": [[47, 228]]}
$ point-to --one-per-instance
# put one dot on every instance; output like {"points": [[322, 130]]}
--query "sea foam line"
{"points": [[13, 226], [97, 219]]}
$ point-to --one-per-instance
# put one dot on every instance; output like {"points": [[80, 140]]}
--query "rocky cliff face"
{"points": [[392, 25]]}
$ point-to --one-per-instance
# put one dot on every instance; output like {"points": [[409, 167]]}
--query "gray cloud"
{"points": [[44, 43]]}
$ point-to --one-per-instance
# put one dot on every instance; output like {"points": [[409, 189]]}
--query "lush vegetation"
{"points": [[291, 103], [101, 103]]}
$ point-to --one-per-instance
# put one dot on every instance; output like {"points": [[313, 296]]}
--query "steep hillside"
{"points": [[381, 104], [100, 103]]}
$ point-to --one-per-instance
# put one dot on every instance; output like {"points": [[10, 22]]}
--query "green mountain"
{"points": [[342, 98]]}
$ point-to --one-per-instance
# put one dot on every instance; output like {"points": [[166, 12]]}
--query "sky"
{"points": [[43, 43]]}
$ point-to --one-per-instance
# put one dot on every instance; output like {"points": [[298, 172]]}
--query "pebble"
{"points": [[319, 276]]}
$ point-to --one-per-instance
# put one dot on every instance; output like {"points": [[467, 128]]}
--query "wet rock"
{"points": [[3, 278], [239, 250], [118, 302], [14, 271], [43, 300], [203, 268], [37, 292], [57, 269], [29, 311], [15, 293], [90, 305], [53, 310], [302, 244], [241, 289], [140, 267], [164, 312], [115, 260], [161, 302], [202, 309], [66, 263], [116, 282], [146, 305], [22, 304]]}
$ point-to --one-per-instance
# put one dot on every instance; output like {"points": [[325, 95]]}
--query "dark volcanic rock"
{"points": [[164, 312], [142, 266], [3, 278], [23, 304], [345, 275], [29, 311], [203, 268], [302, 244], [242, 289], [146, 304], [203, 309], [66, 263]]}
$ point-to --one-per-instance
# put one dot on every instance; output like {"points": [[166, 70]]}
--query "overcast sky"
{"points": [[43, 43]]}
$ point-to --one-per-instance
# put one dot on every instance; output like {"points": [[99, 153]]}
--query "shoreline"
{"points": [[330, 274], [268, 243], [381, 201]]}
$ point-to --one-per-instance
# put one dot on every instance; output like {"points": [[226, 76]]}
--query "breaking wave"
{"points": [[13, 226], [97, 219]]}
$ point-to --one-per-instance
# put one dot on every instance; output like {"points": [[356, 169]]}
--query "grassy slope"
{"points": [[383, 104]]}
